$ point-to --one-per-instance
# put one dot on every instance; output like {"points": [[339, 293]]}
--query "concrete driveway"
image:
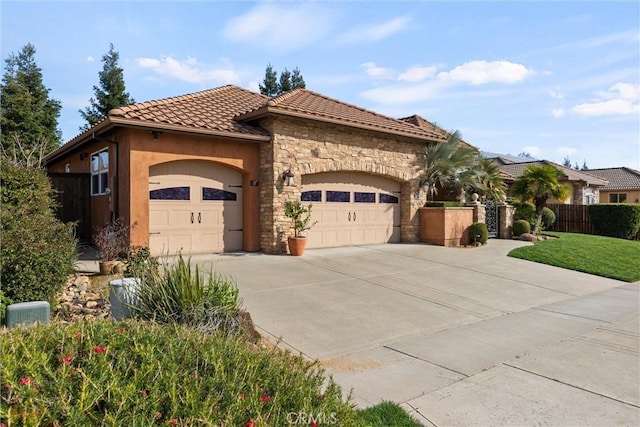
{"points": [[457, 336]]}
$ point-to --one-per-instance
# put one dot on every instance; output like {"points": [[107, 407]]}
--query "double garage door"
{"points": [[351, 209], [194, 207]]}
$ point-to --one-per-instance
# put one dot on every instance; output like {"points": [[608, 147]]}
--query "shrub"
{"points": [[548, 217], [300, 216], [525, 211], [521, 227], [182, 294], [386, 414], [620, 220], [444, 204], [478, 233], [112, 240], [140, 374], [4, 302], [37, 251], [139, 261]]}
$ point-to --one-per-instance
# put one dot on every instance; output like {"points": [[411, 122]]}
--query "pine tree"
{"points": [[567, 162], [111, 93], [297, 81], [27, 113], [285, 82], [269, 85], [584, 166]]}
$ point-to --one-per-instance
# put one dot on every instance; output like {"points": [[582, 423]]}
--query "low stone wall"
{"points": [[445, 226]]}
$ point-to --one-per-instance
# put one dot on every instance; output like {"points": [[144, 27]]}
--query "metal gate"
{"points": [[492, 217]]}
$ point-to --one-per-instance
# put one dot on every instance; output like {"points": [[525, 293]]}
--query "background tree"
{"points": [[297, 81], [110, 94], [27, 113], [538, 184], [567, 162], [526, 155], [272, 86], [488, 182], [285, 82], [269, 85]]}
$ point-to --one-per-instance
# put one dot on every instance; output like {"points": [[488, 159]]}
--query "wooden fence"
{"points": [[573, 219]]}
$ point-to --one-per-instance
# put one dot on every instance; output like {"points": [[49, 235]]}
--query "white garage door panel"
{"points": [[350, 222], [209, 220]]}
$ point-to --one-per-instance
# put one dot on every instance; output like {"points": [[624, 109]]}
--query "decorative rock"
{"points": [[90, 296], [528, 237], [91, 304]]}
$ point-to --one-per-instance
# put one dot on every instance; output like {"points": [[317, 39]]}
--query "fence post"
{"points": [[505, 228]]}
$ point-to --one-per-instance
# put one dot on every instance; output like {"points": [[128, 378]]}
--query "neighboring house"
{"points": [[623, 186], [584, 188], [211, 171], [432, 127]]}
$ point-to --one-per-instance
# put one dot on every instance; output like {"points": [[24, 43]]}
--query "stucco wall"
{"points": [[632, 196], [306, 147]]}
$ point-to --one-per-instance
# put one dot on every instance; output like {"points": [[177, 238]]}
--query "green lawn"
{"points": [[602, 256]]}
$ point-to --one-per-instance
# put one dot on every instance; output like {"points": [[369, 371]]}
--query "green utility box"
{"points": [[27, 313]]}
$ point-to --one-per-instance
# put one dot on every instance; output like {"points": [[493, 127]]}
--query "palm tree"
{"points": [[448, 165], [489, 183], [538, 184]]}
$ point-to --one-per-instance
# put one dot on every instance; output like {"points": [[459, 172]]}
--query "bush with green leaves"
{"points": [[181, 293], [37, 251], [136, 373], [548, 218], [525, 211], [139, 260], [478, 233], [521, 227], [621, 220]]}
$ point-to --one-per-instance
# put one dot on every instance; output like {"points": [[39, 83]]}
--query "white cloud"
{"points": [[558, 112], [566, 151], [375, 71], [556, 95], [189, 70], [403, 94], [416, 74], [90, 58], [280, 26], [376, 32], [481, 72], [619, 99], [532, 149]]}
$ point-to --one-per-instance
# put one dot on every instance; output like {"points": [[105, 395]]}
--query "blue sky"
{"points": [[553, 79]]}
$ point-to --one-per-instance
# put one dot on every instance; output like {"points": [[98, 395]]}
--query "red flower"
{"points": [[241, 396], [249, 423], [65, 360], [79, 335], [99, 349], [25, 381], [158, 415], [144, 393], [265, 398], [120, 330], [174, 422], [313, 424]]}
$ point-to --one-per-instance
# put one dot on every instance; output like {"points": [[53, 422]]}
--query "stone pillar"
{"points": [[479, 210], [505, 227]]}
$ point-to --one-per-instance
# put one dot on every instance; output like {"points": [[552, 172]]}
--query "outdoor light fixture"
{"points": [[287, 177], [155, 133]]}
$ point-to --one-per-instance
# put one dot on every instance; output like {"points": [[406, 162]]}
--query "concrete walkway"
{"points": [[458, 336]]}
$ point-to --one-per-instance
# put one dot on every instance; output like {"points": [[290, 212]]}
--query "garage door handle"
{"points": [[354, 216], [349, 216], [199, 217], [191, 217]]}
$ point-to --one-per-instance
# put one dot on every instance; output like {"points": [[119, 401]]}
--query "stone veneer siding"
{"points": [[308, 147]]}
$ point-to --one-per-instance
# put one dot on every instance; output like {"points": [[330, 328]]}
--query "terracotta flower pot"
{"points": [[297, 245], [107, 267]]}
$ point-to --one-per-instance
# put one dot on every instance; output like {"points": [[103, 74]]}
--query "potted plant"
{"points": [[301, 217], [112, 241]]}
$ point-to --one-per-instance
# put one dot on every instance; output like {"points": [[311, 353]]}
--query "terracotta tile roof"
{"points": [[619, 178], [432, 127], [311, 105], [516, 169], [212, 109]]}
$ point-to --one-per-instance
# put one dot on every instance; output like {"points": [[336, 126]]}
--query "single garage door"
{"points": [[351, 209], [194, 207]]}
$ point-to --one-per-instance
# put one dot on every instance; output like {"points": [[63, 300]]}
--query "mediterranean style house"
{"points": [[623, 185], [584, 187], [211, 171]]}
